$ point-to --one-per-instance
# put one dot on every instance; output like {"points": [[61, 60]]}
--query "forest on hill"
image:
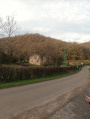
{"points": [[21, 48]]}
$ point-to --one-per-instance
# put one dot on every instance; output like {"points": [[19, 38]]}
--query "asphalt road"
{"points": [[77, 108], [15, 100]]}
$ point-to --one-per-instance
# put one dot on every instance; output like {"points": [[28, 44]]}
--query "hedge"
{"points": [[16, 73]]}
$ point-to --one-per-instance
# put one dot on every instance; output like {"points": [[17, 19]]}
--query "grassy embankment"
{"points": [[25, 82]]}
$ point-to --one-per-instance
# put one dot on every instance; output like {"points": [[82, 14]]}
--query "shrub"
{"points": [[15, 73]]}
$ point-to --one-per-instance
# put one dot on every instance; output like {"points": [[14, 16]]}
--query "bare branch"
{"points": [[9, 27]]}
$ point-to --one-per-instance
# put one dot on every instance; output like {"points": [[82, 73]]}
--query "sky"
{"points": [[67, 20]]}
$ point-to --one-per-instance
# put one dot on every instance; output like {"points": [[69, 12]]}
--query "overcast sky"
{"points": [[68, 20]]}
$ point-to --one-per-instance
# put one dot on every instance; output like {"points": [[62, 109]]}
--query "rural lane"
{"points": [[16, 100]]}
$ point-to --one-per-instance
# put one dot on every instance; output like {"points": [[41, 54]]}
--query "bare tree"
{"points": [[9, 27]]}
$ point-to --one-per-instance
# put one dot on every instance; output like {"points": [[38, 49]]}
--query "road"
{"points": [[77, 108], [15, 100]]}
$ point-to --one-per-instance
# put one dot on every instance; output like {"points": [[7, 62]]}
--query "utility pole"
{"points": [[64, 58], [81, 60]]}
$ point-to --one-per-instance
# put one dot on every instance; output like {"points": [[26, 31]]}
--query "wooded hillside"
{"points": [[27, 45]]}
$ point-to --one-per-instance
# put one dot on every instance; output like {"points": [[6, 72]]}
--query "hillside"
{"points": [[29, 44], [86, 45]]}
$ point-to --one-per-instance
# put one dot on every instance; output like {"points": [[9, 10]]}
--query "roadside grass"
{"points": [[25, 82]]}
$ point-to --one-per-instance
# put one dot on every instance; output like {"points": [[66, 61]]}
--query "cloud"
{"points": [[73, 37], [58, 18]]}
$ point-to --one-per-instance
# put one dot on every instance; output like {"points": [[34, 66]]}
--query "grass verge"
{"points": [[25, 82]]}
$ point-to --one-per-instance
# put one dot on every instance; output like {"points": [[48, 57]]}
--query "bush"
{"points": [[16, 73], [7, 59]]}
